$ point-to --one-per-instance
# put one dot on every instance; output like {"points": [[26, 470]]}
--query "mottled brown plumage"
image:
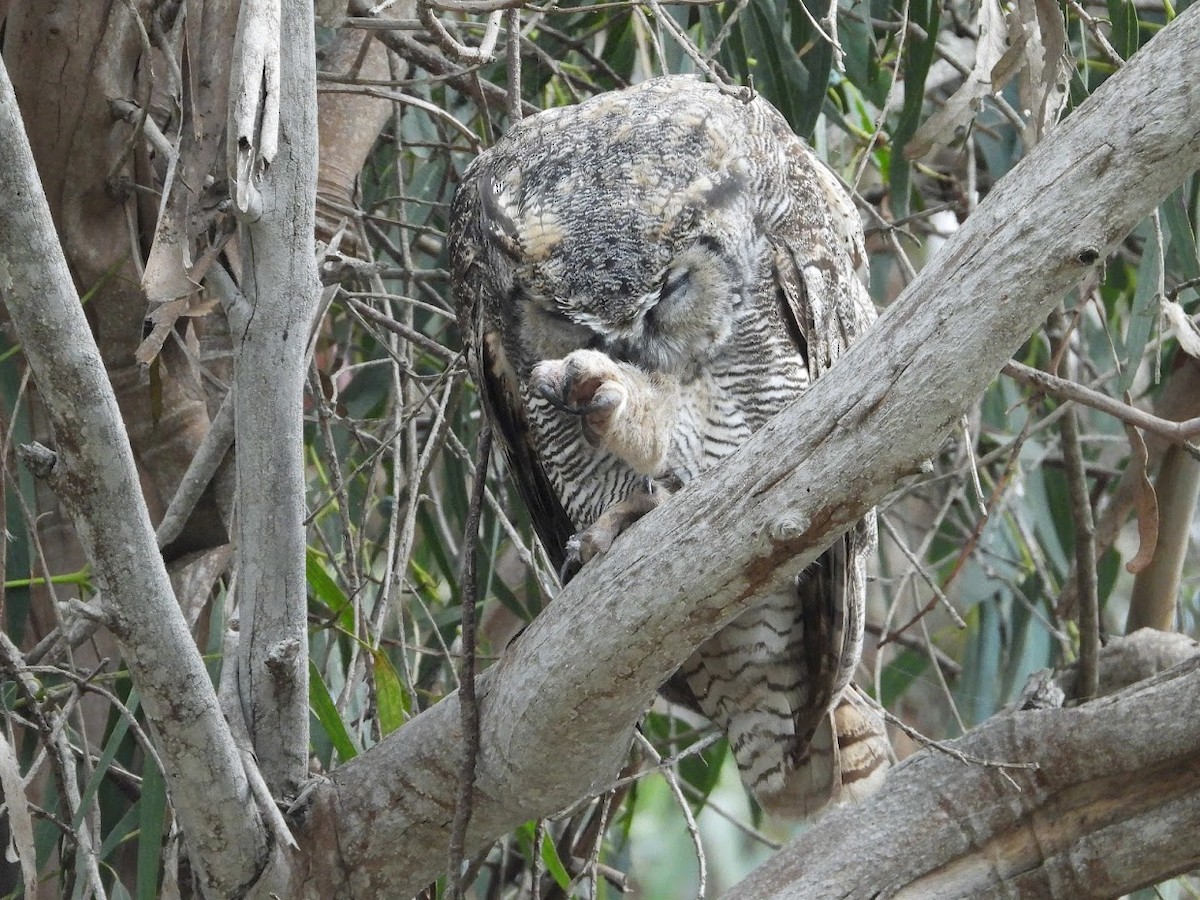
{"points": [[644, 280]]}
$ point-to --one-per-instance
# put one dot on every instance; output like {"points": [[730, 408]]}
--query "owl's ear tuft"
{"points": [[494, 220]]}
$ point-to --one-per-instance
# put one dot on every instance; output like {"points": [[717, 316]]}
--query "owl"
{"points": [[643, 280]]}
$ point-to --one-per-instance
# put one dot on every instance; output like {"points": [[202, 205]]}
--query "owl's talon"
{"points": [[597, 539], [572, 563], [547, 391]]}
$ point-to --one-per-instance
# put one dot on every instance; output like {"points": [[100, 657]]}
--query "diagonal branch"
{"points": [[1177, 433], [582, 674]]}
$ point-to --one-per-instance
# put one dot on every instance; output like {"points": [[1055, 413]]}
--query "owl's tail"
{"points": [[846, 761]]}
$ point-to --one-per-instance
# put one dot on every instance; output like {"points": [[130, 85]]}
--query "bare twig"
{"points": [[1062, 388], [668, 773], [208, 457], [1093, 25], [424, 57], [484, 53], [468, 704], [938, 594], [1085, 530], [512, 50], [947, 749], [430, 346]]}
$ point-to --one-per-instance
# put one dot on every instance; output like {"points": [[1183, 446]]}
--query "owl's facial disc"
{"points": [[691, 314]]}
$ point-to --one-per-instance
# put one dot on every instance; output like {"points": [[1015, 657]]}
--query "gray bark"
{"points": [[95, 478], [275, 157], [558, 710]]}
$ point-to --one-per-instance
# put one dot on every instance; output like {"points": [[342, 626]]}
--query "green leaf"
{"points": [[153, 821], [778, 74], [120, 729], [1123, 16], [1181, 240], [123, 829], [323, 708], [700, 770], [1143, 312], [549, 853], [326, 590], [553, 864], [919, 56], [498, 589], [977, 693], [1029, 649], [818, 62], [391, 700], [436, 548], [862, 63], [703, 770], [1108, 567]]}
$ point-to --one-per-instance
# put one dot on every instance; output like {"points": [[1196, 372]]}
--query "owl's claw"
{"points": [[586, 383], [598, 537], [623, 410], [573, 561]]}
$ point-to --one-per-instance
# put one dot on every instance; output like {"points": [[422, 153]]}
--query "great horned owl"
{"points": [[643, 280]]}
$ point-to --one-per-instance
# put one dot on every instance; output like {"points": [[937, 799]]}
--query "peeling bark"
{"points": [[95, 478]]}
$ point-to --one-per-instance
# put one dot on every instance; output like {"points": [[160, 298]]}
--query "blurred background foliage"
{"points": [[974, 587]]}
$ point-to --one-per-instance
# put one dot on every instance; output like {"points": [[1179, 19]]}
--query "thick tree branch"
{"points": [[95, 478], [580, 676], [1112, 807]]}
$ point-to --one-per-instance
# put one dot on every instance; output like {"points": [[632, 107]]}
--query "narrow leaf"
{"points": [[553, 864], [327, 591], [115, 739], [390, 697], [1143, 310], [326, 712], [153, 822]]}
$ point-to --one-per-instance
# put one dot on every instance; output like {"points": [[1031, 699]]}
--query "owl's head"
{"points": [[632, 228]]}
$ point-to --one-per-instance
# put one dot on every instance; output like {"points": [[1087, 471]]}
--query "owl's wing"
{"points": [[826, 307], [505, 410], [477, 255], [819, 256]]}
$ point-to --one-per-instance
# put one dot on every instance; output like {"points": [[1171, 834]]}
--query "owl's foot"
{"points": [[624, 410], [586, 383], [598, 537]]}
